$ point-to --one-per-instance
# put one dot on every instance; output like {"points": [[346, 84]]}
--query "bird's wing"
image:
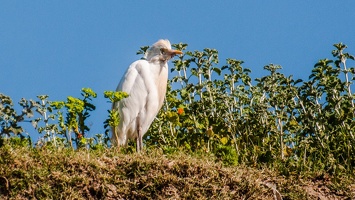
{"points": [[137, 77], [138, 82]]}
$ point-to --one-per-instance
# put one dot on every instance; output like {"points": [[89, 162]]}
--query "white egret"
{"points": [[145, 81]]}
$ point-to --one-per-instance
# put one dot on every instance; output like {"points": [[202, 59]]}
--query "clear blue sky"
{"points": [[58, 47]]}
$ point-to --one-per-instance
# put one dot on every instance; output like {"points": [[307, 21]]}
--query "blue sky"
{"points": [[58, 47]]}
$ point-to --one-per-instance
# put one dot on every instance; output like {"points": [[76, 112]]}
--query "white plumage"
{"points": [[145, 81]]}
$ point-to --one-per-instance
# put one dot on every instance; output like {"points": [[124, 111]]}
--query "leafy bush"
{"points": [[61, 122], [307, 125]]}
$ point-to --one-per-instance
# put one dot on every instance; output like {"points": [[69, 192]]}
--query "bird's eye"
{"points": [[163, 51]]}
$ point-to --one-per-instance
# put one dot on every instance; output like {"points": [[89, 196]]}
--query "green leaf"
{"points": [[114, 96], [217, 70]]}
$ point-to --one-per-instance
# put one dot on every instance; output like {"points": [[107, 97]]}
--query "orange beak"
{"points": [[173, 52]]}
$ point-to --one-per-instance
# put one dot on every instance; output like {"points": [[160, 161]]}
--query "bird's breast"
{"points": [[161, 82]]}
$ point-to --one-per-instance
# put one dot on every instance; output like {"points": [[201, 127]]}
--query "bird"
{"points": [[145, 82]]}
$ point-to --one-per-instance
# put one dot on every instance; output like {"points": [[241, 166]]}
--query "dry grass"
{"points": [[66, 174]]}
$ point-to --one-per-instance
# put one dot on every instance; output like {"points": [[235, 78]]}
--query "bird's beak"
{"points": [[173, 52]]}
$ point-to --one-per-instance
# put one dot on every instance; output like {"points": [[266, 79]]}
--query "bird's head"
{"points": [[161, 51]]}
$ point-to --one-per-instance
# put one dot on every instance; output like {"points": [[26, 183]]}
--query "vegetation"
{"points": [[51, 173], [275, 127]]}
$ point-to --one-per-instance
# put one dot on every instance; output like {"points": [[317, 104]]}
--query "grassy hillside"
{"points": [[107, 174]]}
